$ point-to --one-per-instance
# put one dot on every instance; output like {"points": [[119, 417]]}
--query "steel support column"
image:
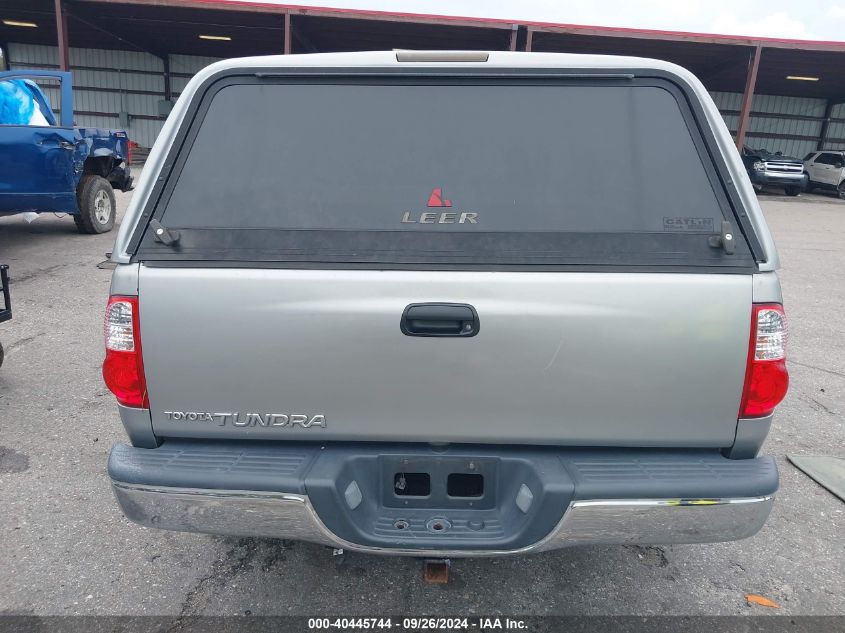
{"points": [[514, 32], [287, 47], [529, 39], [748, 95], [825, 124], [61, 36], [168, 87]]}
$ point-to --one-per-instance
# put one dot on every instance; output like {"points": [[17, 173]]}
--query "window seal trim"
{"points": [[691, 110]]}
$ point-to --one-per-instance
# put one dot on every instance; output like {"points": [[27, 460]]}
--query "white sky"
{"points": [[799, 19]]}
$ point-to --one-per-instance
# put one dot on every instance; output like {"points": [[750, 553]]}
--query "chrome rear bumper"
{"points": [[291, 516]]}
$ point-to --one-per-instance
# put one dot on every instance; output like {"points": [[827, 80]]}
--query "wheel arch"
{"points": [[99, 164]]}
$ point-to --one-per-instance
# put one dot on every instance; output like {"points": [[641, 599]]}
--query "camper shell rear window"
{"points": [[398, 171]]}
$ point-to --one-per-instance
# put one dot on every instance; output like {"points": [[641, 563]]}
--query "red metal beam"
{"points": [[352, 14], [490, 23], [287, 48], [748, 95], [257, 7], [61, 36], [681, 36]]}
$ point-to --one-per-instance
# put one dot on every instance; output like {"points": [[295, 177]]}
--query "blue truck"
{"points": [[49, 165]]}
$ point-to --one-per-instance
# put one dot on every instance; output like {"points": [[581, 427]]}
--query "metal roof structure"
{"points": [[229, 28]]}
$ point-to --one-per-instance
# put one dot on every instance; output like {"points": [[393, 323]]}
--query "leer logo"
{"points": [[436, 199]]}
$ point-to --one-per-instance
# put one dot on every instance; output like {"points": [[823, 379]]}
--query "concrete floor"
{"points": [[66, 549]]}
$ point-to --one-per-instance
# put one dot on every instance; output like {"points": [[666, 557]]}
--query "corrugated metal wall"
{"points": [[181, 65], [760, 128], [836, 130], [109, 82]]}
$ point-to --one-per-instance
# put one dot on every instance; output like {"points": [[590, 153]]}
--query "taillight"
{"points": [[130, 146], [123, 368], [766, 378]]}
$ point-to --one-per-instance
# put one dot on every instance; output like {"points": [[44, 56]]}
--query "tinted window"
{"points": [[352, 157], [827, 158], [440, 171]]}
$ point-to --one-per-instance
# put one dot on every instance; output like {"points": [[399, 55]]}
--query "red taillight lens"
{"points": [[130, 148], [123, 368], [766, 378]]}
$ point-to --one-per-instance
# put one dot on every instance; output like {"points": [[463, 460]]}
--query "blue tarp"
{"points": [[16, 103], [21, 101]]}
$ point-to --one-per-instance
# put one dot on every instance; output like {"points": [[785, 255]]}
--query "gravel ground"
{"points": [[66, 549]]}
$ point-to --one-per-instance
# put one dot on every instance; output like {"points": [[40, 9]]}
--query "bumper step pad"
{"points": [[520, 498]]}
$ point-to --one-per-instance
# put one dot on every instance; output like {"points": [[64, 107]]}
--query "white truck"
{"points": [[826, 170]]}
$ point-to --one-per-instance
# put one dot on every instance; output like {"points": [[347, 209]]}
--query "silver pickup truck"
{"points": [[391, 302]]}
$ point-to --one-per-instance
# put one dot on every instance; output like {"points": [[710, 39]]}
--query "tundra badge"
{"points": [[280, 420]]}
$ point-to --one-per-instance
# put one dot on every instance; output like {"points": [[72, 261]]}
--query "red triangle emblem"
{"points": [[436, 199]]}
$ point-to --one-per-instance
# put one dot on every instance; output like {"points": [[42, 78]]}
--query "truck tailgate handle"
{"points": [[439, 319]]}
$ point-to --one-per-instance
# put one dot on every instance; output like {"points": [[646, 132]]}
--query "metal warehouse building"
{"points": [[131, 58]]}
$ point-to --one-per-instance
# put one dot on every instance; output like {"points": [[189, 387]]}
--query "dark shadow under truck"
{"points": [[5, 302]]}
